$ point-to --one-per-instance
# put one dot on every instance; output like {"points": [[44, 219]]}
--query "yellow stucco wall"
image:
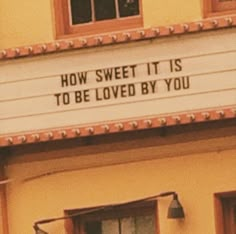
{"points": [[195, 177], [170, 12], [28, 22], [25, 22]]}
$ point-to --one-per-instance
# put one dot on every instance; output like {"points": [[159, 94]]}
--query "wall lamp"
{"points": [[175, 210]]}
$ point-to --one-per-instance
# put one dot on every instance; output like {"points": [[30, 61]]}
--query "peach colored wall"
{"points": [[170, 12], [25, 22], [28, 22], [195, 177]]}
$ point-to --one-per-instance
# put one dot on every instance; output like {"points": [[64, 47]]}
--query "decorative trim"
{"points": [[119, 126], [119, 37]]}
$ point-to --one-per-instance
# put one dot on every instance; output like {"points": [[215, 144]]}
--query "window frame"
{"points": [[76, 225], [65, 29], [215, 8], [224, 203]]}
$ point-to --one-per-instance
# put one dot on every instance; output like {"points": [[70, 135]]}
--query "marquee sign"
{"points": [[92, 86]]}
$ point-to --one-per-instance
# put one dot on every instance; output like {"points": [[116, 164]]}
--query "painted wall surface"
{"points": [[30, 22], [25, 22], [170, 12], [195, 177]]}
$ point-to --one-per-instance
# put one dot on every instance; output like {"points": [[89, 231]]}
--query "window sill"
{"points": [[219, 13], [106, 26]]}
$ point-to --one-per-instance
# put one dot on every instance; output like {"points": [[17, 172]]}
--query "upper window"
{"points": [[122, 219], [85, 17], [218, 7]]}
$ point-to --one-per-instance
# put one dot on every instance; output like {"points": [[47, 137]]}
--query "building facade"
{"points": [[111, 109]]}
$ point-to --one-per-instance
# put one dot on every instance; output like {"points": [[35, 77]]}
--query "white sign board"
{"points": [[118, 82]]}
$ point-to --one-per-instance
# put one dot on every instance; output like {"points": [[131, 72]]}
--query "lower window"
{"points": [[225, 205], [121, 219]]}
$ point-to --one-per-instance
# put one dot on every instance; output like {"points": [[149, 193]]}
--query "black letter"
{"points": [[78, 98], [125, 72], [123, 90], [117, 73], [178, 66], [86, 95], [64, 80], [186, 83], [133, 69], [177, 84], [106, 93], [99, 79], [97, 95], [153, 85], [82, 77], [131, 89], [144, 87], [156, 68], [57, 97], [108, 73], [73, 80], [168, 81], [148, 69], [66, 98], [115, 90], [175, 65]]}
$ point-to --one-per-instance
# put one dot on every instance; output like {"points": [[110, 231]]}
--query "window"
{"points": [[218, 7], [121, 219], [225, 209], [86, 17]]}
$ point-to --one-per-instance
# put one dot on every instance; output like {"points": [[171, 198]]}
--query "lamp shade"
{"points": [[38, 230], [175, 210]]}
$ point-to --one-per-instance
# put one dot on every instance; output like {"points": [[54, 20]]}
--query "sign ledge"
{"points": [[119, 126]]}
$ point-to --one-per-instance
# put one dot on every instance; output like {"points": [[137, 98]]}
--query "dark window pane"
{"points": [[105, 9], [145, 224], [128, 7], [110, 226], [81, 11], [128, 225], [93, 227]]}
